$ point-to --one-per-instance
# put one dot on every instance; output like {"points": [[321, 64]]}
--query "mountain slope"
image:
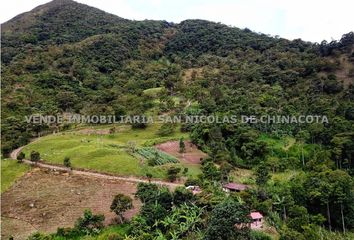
{"points": [[66, 56], [56, 22]]}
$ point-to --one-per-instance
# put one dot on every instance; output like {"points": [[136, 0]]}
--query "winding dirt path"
{"points": [[88, 173]]}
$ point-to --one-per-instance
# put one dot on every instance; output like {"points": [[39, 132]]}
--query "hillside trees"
{"points": [[228, 221], [120, 204]]}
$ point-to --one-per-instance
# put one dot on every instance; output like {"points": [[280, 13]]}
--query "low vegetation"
{"points": [[10, 172], [120, 153], [155, 157]]}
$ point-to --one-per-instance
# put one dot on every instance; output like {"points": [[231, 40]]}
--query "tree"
{"points": [[182, 195], [120, 204], [229, 220], [172, 173], [211, 172], [20, 157], [166, 129], [181, 221], [90, 223], [302, 137], [146, 192], [67, 162], [342, 185], [319, 189], [225, 169], [35, 156], [182, 145], [153, 212], [274, 163], [262, 174], [343, 145], [280, 202]]}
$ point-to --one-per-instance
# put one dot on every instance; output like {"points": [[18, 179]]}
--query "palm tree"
{"points": [[280, 202]]}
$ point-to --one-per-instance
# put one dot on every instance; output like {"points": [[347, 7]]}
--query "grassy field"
{"points": [[243, 176], [106, 152], [10, 172], [283, 143], [285, 176]]}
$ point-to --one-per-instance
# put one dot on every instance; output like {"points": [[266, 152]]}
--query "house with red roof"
{"points": [[257, 220]]}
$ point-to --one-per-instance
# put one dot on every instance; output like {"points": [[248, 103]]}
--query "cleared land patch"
{"points": [[107, 153], [45, 200], [192, 154]]}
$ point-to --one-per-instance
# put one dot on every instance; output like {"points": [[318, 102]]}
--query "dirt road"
{"points": [[88, 173]]}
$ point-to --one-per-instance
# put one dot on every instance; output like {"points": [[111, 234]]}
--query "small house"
{"points": [[234, 187], [257, 220]]}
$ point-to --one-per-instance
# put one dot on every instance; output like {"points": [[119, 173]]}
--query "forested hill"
{"points": [[64, 56]]}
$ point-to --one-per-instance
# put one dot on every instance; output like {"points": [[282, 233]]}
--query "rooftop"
{"points": [[235, 186], [256, 215]]}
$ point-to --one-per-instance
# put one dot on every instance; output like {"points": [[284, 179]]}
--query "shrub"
{"points": [[89, 224], [67, 162], [68, 232], [20, 157], [112, 130], [35, 156], [38, 236], [257, 235], [192, 182], [182, 146], [114, 236], [166, 129], [172, 173]]}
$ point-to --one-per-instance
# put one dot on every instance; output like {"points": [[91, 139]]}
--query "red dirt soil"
{"points": [[191, 156], [46, 200]]}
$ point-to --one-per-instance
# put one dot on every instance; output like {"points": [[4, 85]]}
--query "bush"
{"points": [[6, 149], [67, 162], [35, 156], [68, 232], [114, 236], [166, 129], [90, 224], [172, 173], [139, 125], [290, 234], [20, 157], [38, 236], [192, 182], [257, 235]]}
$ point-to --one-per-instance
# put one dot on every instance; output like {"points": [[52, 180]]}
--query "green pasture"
{"points": [[10, 172], [106, 152]]}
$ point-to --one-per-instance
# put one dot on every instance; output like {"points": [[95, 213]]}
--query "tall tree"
{"points": [[229, 220], [120, 204]]}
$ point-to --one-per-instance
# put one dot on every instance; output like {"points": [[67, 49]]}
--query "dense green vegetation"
{"points": [[68, 57]]}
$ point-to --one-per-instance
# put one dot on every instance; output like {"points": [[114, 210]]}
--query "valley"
{"points": [[287, 173]]}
